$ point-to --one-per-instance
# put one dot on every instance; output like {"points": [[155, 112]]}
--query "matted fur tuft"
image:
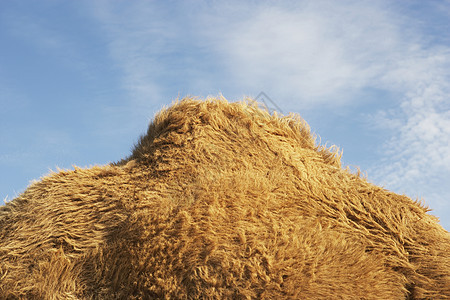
{"points": [[220, 200]]}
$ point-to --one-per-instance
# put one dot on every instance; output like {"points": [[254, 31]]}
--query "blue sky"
{"points": [[80, 80]]}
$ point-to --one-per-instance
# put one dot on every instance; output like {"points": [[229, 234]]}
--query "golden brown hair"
{"points": [[220, 200]]}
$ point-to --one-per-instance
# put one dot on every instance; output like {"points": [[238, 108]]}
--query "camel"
{"points": [[220, 200]]}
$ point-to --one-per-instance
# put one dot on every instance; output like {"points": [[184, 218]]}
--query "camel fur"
{"points": [[220, 200]]}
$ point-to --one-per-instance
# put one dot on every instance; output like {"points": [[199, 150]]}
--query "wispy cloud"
{"points": [[314, 53], [417, 154], [148, 44]]}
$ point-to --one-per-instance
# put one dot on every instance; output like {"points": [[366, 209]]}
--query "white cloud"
{"points": [[139, 38], [418, 151], [311, 52], [417, 154], [308, 51]]}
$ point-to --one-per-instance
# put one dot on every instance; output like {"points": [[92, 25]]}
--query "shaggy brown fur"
{"points": [[217, 201]]}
